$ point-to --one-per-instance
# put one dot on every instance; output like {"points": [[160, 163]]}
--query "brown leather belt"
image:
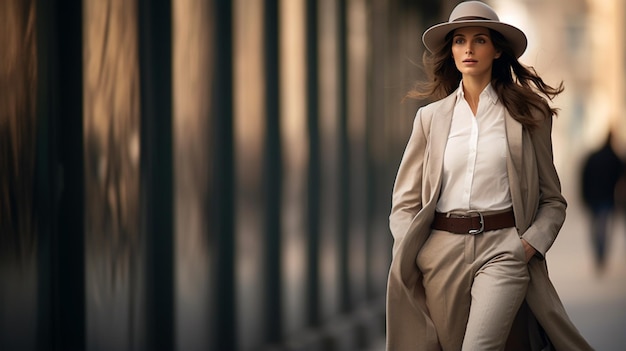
{"points": [[474, 223]]}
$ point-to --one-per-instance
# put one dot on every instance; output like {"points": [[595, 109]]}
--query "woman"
{"points": [[477, 200]]}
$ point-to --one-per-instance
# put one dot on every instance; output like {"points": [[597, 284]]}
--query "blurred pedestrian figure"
{"points": [[601, 171]]}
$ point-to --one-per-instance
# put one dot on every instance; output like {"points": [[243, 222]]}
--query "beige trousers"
{"points": [[474, 286]]}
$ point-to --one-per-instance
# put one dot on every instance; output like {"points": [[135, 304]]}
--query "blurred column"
{"points": [[156, 192], [19, 125], [314, 183], [66, 265], [194, 170], [249, 152], [343, 150], [221, 187], [272, 175], [379, 193], [352, 148], [295, 152], [357, 149], [111, 137], [329, 111], [46, 177]]}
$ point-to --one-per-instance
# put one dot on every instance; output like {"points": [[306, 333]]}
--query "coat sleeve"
{"points": [[407, 190], [551, 208]]}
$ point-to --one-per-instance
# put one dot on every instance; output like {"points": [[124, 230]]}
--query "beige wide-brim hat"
{"points": [[469, 14]]}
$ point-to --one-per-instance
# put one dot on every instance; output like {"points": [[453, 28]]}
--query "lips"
{"points": [[469, 61]]}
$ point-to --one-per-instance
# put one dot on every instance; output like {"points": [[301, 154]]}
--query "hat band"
{"points": [[470, 18]]}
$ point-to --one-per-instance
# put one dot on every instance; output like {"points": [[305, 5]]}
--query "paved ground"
{"points": [[596, 302]]}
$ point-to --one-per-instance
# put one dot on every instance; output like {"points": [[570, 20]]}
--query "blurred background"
{"points": [[217, 175]]}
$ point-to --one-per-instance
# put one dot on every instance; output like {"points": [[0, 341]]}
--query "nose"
{"points": [[468, 49]]}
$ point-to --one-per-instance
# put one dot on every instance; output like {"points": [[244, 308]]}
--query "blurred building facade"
{"points": [[216, 175], [201, 175], [581, 43]]}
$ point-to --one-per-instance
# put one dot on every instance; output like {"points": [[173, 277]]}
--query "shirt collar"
{"points": [[489, 92]]}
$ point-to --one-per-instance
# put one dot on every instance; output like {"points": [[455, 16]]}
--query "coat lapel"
{"points": [[514, 137], [440, 128], [514, 168]]}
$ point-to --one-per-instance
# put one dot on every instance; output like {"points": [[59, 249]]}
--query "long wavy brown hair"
{"points": [[519, 87]]}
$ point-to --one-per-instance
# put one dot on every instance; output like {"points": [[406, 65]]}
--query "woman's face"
{"points": [[473, 51]]}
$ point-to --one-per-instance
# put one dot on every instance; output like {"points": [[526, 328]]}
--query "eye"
{"points": [[459, 40], [481, 40]]}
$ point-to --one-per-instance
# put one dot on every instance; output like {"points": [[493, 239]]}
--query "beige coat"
{"points": [[539, 213]]}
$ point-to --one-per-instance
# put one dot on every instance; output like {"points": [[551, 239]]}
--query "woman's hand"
{"points": [[528, 249]]}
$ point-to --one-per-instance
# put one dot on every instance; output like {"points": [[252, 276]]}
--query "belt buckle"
{"points": [[482, 226]]}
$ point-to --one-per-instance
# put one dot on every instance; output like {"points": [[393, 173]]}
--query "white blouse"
{"points": [[474, 166]]}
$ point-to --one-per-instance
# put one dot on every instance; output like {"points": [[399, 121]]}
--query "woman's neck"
{"points": [[472, 87]]}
